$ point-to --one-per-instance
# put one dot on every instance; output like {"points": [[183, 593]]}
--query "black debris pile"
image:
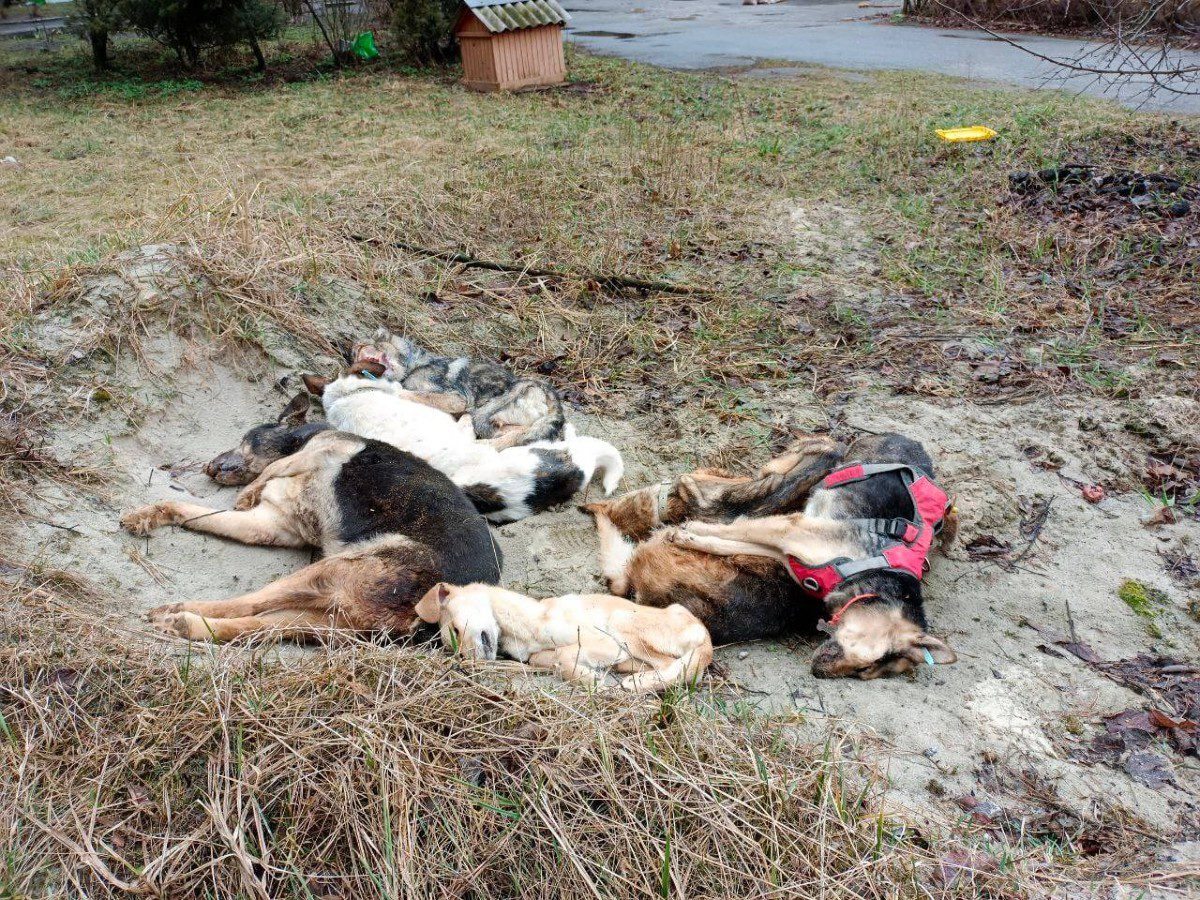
{"points": [[1080, 189]]}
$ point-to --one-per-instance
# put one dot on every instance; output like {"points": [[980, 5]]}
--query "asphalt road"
{"points": [[32, 26], [703, 34]]}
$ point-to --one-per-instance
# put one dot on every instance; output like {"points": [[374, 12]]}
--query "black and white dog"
{"points": [[390, 525], [504, 484]]}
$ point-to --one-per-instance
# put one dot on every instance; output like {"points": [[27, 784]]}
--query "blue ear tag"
{"points": [[373, 377], [928, 658]]}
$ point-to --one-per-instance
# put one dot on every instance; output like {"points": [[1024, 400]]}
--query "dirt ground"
{"points": [[1014, 720]]}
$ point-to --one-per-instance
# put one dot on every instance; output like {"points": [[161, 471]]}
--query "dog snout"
{"points": [[229, 468], [826, 660]]}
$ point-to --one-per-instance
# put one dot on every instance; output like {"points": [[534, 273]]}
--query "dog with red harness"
{"points": [[860, 548]]}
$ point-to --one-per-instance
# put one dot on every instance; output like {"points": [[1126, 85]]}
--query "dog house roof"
{"points": [[503, 16]]}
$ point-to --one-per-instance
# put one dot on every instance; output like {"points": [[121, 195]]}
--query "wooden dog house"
{"points": [[507, 45]]}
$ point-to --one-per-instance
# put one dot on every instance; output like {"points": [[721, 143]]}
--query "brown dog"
{"points": [[741, 591]]}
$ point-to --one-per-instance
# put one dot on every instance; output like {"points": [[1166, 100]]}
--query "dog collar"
{"points": [[837, 616]]}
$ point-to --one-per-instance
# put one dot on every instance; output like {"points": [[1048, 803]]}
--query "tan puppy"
{"points": [[579, 636]]}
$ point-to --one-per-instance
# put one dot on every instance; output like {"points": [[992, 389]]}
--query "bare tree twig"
{"points": [[1120, 59]]}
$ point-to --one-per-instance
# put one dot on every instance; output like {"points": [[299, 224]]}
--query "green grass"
{"points": [[1145, 602]]}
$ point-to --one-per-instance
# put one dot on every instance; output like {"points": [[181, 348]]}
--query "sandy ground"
{"points": [[1005, 710]]}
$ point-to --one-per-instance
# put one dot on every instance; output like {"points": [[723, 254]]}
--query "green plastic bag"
{"points": [[364, 46]]}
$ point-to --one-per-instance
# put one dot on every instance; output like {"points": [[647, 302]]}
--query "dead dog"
{"points": [[848, 567], [505, 484], [504, 409], [389, 524], [266, 443], [578, 636], [738, 598]]}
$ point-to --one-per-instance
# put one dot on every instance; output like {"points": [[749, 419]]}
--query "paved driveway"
{"points": [[700, 34]]}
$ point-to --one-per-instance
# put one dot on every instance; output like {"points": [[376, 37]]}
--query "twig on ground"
{"points": [[464, 259]]}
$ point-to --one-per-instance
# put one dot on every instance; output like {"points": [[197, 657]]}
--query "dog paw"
{"points": [[644, 683], [147, 518], [180, 624], [248, 497]]}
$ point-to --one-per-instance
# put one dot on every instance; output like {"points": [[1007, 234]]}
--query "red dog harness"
{"points": [[910, 540]]}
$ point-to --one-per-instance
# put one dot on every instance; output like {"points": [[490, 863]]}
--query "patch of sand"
{"points": [[940, 732]]}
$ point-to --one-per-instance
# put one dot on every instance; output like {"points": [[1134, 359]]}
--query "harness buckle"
{"points": [[900, 529], [811, 584]]}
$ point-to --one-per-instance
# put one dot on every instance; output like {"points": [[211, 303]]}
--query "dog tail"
{"points": [[684, 669], [590, 454]]}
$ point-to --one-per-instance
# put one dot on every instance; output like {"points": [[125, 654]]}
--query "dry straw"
{"points": [[373, 770]]}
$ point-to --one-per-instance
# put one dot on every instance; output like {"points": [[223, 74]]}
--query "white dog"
{"points": [[505, 485], [579, 636]]}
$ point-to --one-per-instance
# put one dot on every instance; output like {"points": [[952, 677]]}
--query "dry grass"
{"points": [[647, 174], [369, 770]]}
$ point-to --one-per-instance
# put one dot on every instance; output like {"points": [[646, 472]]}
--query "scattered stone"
{"points": [[1093, 493]]}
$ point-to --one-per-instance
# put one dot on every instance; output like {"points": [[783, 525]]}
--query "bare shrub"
{"points": [[1168, 14], [1135, 44]]}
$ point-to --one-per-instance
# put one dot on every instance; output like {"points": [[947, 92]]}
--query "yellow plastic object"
{"points": [[969, 133]]}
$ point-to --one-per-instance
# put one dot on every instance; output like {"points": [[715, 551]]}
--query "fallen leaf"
{"points": [[1164, 515], [1160, 469], [986, 545], [1162, 720], [1150, 769], [963, 865]]}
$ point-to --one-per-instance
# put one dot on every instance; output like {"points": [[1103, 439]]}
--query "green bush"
{"points": [[189, 27], [94, 21], [423, 30]]}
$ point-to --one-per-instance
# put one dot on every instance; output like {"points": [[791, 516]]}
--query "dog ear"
{"points": [[373, 367], [296, 412], [429, 607], [315, 384], [939, 651], [949, 527]]}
